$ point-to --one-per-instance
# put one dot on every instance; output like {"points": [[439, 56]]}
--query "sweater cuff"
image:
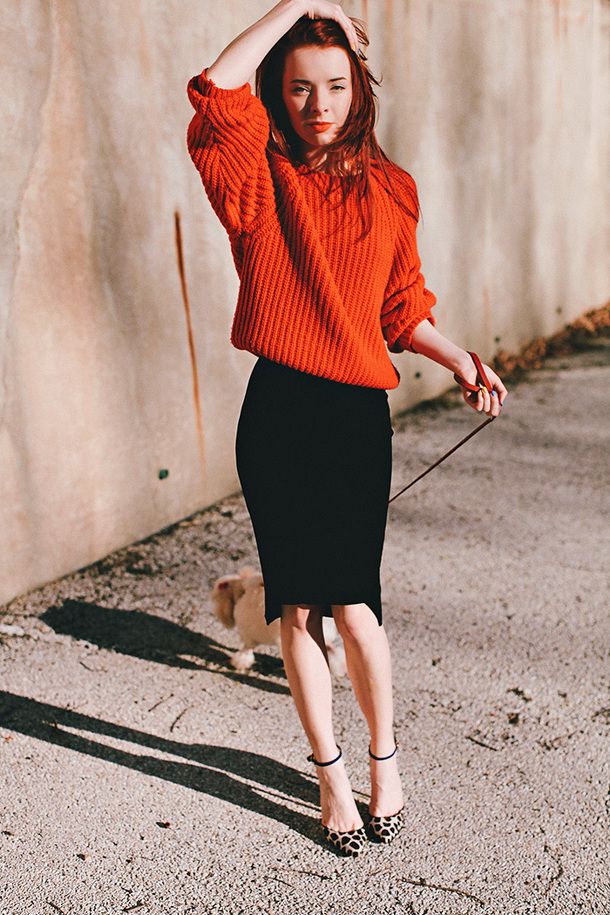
{"points": [[403, 341], [200, 87], [208, 88]]}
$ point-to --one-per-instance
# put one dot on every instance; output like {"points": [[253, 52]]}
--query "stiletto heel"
{"points": [[351, 842], [386, 828]]}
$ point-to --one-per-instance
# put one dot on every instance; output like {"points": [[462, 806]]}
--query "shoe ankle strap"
{"points": [[389, 756], [330, 761]]}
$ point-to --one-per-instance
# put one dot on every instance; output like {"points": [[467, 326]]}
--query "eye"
{"points": [[297, 89]]}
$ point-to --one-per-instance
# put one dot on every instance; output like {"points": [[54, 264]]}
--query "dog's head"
{"points": [[226, 592]]}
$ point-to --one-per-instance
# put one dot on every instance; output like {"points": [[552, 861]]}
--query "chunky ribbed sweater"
{"points": [[312, 295]]}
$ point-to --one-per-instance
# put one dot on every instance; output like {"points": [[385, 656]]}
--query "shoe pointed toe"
{"points": [[386, 828], [351, 842]]}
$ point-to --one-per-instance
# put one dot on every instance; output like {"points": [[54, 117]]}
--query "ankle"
{"points": [[326, 756], [385, 746]]}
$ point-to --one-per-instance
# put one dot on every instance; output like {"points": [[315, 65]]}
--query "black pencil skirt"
{"points": [[314, 458]]}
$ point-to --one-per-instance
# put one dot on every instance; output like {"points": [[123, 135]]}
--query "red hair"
{"points": [[354, 150]]}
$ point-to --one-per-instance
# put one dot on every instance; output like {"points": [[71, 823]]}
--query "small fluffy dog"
{"points": [[239, 603]]}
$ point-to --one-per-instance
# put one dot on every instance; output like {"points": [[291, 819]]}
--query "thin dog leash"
{"points": [[485, 384]]}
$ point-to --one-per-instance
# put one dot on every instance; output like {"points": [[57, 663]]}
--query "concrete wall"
{"points": [[115, 356]]}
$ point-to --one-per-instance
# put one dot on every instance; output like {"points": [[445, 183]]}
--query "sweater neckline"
{"points": [[301, 168]]}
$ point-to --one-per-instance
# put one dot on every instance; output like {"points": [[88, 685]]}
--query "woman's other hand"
{"points": [[321, 9], [483, 400]]}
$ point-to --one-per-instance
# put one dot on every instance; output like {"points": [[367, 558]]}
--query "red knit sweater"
{"points": [[311, 295]]}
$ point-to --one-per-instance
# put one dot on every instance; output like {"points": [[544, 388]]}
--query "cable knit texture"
{"points": [[312, 296]]}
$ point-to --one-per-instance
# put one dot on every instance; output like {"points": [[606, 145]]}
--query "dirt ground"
{"points": [[141, 773]]}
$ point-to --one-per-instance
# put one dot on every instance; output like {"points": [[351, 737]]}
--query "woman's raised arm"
{"points": [[242, 56], [227, 137]]}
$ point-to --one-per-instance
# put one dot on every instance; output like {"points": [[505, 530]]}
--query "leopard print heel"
{"points": [[386, 828], [352, 841]]}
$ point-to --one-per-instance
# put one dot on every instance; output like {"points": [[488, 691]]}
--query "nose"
{"points": [[317, 106]]}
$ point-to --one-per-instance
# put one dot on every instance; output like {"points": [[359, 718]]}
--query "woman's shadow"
{"points": [[156, 639], [203, 772]]}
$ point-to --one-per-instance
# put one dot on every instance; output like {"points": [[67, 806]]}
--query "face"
{"points": [[317, 86]]}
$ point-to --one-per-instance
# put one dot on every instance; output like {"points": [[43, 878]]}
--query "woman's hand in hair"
{"points": [[321, 9]]}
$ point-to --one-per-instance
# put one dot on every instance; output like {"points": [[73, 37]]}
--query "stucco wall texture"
{"points": [[120, 389]]}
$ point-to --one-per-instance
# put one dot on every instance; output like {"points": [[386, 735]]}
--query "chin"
{"points": [[318, 143]]}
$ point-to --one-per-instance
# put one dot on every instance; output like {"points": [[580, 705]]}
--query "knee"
{"points": [[300, 616], [353, 621]]}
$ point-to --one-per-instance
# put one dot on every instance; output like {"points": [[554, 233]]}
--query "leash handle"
{"points": [[474, 388]]}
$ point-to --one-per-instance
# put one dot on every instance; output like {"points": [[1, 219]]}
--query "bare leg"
{"points": [[367, 654], [306, 665]]}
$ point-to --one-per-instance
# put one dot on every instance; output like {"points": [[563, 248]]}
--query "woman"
{"points": [[322, 230]]}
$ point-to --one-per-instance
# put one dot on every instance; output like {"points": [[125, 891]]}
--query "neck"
{"points": [[311, 156]]}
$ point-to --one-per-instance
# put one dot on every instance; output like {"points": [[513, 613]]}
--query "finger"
{"points": [[498, 400], [498, 386], [474, 399], [350, 31], [470, 397]]}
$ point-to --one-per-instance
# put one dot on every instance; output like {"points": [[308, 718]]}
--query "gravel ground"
{"points": [[141, 773]]}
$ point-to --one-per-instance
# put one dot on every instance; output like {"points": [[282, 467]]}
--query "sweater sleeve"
{"points": [[227, 139], [407, 302]]}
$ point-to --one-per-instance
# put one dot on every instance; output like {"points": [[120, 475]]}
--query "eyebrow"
{"points": [[333, 80]]}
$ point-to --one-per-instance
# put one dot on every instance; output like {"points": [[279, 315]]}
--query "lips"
{"points": [[319, 126]]}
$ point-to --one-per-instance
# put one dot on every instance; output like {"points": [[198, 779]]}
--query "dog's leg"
{"points": [[334, 648], [336, 659], [243, 659]]}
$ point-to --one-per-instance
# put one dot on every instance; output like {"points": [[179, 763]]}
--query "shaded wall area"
{"points": [[120, 391]]}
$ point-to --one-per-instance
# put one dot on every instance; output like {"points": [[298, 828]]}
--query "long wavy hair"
{"points": [[351, 154]]}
